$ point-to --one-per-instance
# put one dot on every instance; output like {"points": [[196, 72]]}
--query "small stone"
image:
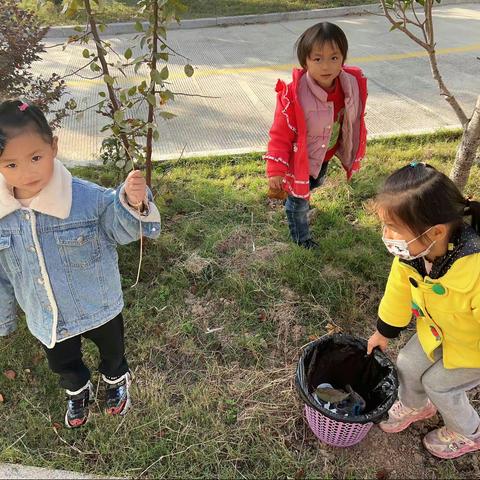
{"points": [[418, 458]]}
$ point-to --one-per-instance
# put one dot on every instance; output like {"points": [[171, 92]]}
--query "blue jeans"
{"points": [[297, 209]]}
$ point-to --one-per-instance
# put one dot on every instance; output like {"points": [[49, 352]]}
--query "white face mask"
{"points": [[399, 248]]}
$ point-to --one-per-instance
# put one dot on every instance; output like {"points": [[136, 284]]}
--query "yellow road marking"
{"points": [[209, 72]]}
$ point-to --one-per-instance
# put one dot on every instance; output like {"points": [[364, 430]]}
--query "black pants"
{"points": [[65, 358]]}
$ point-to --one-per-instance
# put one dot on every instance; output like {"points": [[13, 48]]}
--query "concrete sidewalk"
{"points": [[239, 65], [11, 471]]}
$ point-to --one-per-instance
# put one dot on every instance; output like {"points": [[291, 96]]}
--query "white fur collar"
{"points": [[55, 199]]}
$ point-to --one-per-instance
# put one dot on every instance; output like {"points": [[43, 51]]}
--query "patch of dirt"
{"points": [[392, 456], [243, 259], [204, 309], [195, 264], [290, 334], [239, 239]]}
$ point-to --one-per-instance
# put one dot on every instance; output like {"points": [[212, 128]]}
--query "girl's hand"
{"points": [[275, 183], [377, 340], [135, 188]]}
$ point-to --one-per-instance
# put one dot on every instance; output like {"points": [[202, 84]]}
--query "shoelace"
{"points": [[76, 405], [400, 408], [117, 391]]}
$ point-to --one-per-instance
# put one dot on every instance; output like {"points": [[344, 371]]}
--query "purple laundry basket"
{"points": [[332, 432], [341, 360]]}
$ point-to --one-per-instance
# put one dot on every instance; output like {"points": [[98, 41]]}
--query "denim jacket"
{"points": [[58, 258]]}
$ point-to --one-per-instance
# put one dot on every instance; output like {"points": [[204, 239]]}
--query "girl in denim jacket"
{"points": [[58, 257], [318, 115]]}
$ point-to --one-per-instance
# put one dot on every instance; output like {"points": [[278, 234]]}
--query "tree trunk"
{"points": [[467, 149], [151, 116]]}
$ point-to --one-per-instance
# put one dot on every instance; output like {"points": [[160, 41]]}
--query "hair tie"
{"points": [[416, 164], [23, 106]]}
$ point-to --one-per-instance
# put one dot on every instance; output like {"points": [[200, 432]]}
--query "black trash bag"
{"points": [[342, 360]]}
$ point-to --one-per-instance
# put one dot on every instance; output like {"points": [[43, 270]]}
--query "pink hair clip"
{"points": [[23, 106]]}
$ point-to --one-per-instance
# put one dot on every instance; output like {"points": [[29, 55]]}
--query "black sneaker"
{"points": [[78, 406], [309, 244], [118, 395]]}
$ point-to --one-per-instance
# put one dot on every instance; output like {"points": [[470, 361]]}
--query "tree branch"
{"points": [[429, 46], [103, 62], [78, 70], [150, 118], [400, 27]]}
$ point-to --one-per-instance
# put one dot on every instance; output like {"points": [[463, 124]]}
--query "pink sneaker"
{"points": [[444, 443], [400, 416]]}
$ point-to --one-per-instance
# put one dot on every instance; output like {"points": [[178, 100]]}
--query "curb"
{"points": [[129, 27]]}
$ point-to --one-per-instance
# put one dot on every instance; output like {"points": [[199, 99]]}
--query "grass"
{"points": [[126, 10], [222, 403]]}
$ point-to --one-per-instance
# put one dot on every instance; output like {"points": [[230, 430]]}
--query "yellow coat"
{"points": [[447, 309]]}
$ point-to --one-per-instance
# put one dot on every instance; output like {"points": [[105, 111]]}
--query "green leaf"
{"points": [[78, 28], [132, 91], [102, 94], [164, 73], [138, 26], [156, 135], [167, 115], [162, 56], [118, 116], [71, 104], [155, 76], [166, 95], [86, 53], [71, 7], [152, 100], [108, 80], [395, 26], [188, 69], [102, 27], [128, 53]]}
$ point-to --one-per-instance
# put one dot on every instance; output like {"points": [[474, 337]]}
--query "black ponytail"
{"points": [[420, 196], [472, 209]]}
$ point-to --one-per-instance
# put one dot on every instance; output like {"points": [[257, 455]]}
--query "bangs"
{"points": [[401, 210]]}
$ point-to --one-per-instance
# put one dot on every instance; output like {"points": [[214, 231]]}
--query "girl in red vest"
{"points": [[318, 115]]}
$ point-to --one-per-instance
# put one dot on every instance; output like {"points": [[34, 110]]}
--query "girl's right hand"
{"points": [[377, 340], [275, 183]]}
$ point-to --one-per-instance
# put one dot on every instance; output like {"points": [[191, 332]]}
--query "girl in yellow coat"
{"points": [[435, 279]]}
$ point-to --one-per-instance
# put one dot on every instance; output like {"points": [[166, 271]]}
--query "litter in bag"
{"points": [[341, 361]]}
